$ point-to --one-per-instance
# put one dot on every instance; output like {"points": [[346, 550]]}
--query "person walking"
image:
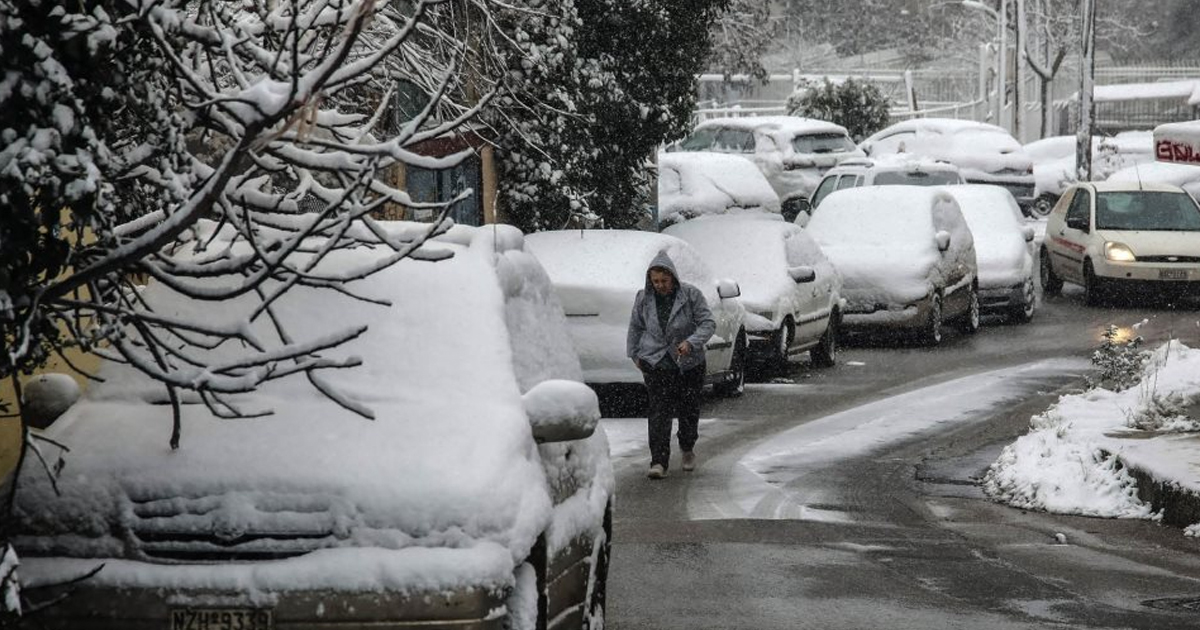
{"points": [[668, 328]]}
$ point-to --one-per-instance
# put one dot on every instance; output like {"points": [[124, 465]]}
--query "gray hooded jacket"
{"points": [[690, 320]]}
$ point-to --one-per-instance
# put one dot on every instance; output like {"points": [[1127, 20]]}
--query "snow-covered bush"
{"points": [[1121, 362], [858, 106]]}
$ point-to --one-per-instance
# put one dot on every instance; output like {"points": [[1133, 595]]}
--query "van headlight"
{"points": [[1118, 252]]}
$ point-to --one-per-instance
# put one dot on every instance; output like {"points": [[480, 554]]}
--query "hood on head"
{"points": [[661, 261]]}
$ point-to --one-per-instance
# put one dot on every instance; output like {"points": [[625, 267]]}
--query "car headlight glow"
{"points": [[1118, 252]]}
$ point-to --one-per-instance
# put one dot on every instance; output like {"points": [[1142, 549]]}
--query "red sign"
{"points": [[1167, 150]]}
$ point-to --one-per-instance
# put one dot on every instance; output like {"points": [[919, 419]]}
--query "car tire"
{"points": [[1093, 286], [734, 386], [933, 325], [1043, 205], [1051, 283], [824, 354], [969, 322], [781, 342], [1023, 312]]}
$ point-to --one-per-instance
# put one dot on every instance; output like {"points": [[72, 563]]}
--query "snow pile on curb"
{"points": [[1071, 460]]}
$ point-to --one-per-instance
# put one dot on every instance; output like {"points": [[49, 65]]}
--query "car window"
{"points": [[917, 178], [821, 143], [700, 140], [847, 181], [1142, 210], [826, 187], [738, 140], [802, 250], [1080, 208]]}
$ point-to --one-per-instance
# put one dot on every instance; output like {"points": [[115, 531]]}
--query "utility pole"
{"points": [[1002, 78], [1019, 84], [1087, 82]]}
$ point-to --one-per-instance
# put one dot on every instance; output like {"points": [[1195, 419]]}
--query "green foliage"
{"points": [[594, 90], [858, 106], [1121, 363]]}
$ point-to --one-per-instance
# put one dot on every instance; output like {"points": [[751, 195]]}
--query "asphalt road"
{"points": [[847, 498]]}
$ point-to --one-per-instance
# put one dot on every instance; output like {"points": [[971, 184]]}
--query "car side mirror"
{"points": [[802, 274], [943, 240], [1027, 233], [561, 410], [793, 207], [866, 148], [728, 289], [1077, 223]]}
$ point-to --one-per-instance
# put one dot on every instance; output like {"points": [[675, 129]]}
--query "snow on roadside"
{"points": [[1074, 459]]}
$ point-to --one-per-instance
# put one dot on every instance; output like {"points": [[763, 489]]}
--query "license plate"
{"points": [[1172, 274], [221, 619]]}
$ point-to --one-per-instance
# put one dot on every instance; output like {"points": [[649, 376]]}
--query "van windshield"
{"points": [[1147, 210], [917, 178]]}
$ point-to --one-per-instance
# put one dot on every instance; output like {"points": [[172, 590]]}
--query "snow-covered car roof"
{"points": [[614, 259], [968, 144], [748, 251], [883, 217], [775, 124], [692, 184], [1151, 177], [433, 468], [896, 161]]}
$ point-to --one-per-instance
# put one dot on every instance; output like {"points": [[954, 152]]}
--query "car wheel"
{"points": [[933, 326], [1051, 283], [970, 320], [824, 354], [736, 384], [1093, 285], [1043, 205], [1023, 312], [781, 342]]}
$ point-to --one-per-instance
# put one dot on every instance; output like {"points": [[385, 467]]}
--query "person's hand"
{"points": [[637, 363], [684, 348]]}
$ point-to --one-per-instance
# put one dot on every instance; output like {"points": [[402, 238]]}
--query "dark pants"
{"points": [[673, 394]]}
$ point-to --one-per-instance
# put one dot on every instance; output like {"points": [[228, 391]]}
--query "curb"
{"points": [[1180, 507]]}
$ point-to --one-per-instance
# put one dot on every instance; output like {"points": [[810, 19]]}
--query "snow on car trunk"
{"points": [[881, 238], [433, 468], [1001, 251]]}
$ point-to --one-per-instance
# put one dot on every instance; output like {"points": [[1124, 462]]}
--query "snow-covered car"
{"points": [[1003, 250], [478, 495], [1115, 236], [986, 154], [697, 184], [793, 152], [1054, 162], [597, 274], [791, 291], [906, 256], [886, 170], [1185, 176]]}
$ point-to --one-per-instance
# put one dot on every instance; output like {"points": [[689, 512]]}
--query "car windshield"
{"points": [[821, 143], [700, 140], [917, 178], [1142, 210]]}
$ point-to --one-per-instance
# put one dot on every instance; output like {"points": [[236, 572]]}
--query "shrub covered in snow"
{"points": [[860, 107]]}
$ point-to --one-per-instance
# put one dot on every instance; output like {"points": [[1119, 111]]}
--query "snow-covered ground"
{"points": [[1075, 458]]}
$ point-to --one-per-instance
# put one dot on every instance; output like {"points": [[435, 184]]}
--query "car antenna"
{"points": [[1137, 171]]}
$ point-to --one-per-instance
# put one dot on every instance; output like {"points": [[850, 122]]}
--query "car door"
{"points": [[959, 265], [1069, 236], [813, 302], [719, 350]]}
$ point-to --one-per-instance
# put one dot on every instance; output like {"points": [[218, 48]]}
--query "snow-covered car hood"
{"points": [[431, 468]]}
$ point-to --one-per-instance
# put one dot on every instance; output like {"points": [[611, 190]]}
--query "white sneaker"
{"points": [[689, 461], [657, 472]]}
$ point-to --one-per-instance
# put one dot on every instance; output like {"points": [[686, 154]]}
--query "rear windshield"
{"points": [[699, 140], [916, 178], [822, 143], [719, 139], [1144, 210]]}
